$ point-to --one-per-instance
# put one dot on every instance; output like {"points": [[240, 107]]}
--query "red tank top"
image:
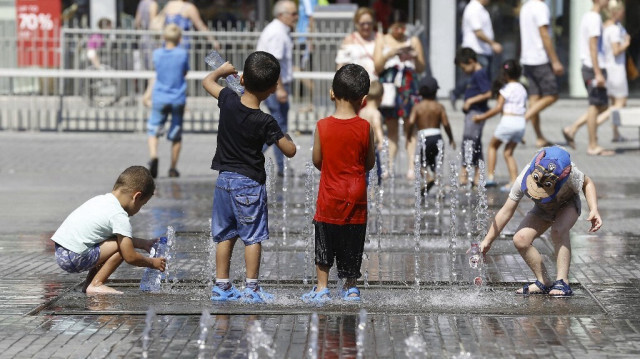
{"points": [[342, 196]]}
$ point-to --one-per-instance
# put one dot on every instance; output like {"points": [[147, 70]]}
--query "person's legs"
{"points": [[152, 142], [411, 151], [324, 252], [492, 154], [224, 250], [109, 260], [512, 165], [175, 136], [530, 228], [252, 255], [616, 103], [535, 107], [322, 271], [176, 146], [350, 240], [565, 220]]}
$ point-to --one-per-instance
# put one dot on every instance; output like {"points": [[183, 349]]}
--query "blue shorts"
{"points": [[159, 114], [239, 209], [73, 262]]}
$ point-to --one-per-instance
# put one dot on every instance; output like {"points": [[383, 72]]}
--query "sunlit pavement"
{"points": [[44, 176]]}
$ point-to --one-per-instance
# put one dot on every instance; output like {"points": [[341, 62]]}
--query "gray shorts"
{"points": [[597, 95], [510, 129], [542, 80], [550, 214]]}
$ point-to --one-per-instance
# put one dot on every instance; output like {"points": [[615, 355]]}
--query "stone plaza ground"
{"points": [[43, 313]]}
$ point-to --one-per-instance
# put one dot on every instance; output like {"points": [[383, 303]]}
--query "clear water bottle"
{"points": [[474, 255], [233, 81], [151, 278]]}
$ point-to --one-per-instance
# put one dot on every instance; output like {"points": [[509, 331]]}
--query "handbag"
{"points": [[389, 95], [632, 70]]}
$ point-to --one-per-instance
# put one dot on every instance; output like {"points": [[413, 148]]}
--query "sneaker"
{"points": [[153, 167], [220, 295], [349, 296], [316, 297], [491, 184], [453, 98], [174, 172], [256, 295]]}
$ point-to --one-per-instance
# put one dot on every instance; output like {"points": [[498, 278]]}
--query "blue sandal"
{"points": [[316, 297], [563, 287], [348, 294], [543, 288], [220, 295], [256, 295]]}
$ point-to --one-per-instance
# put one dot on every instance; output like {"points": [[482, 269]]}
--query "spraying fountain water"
{"points": [[453, 222], [170, 272], [307, 230], [205, 324], [360, 333], [271, 194], [439, 183], [312, 351], [146, 333], [417, 221], [285, 200], [260, 344], [468, 209], [481, 221], [415, 346]]}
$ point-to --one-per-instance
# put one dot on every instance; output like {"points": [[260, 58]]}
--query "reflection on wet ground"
{"points": [[452, 317]]}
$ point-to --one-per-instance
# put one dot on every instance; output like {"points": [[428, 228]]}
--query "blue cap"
{"points": [[548, 171]]}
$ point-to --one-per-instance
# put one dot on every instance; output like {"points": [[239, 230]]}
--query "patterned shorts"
{"points": [[73, 262]]}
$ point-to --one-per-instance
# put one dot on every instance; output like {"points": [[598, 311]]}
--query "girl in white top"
{"points": [[512, 103], [358, 47], [615, 41]]}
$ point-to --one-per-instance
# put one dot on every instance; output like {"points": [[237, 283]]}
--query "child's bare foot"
{"points": [[101, 289], [411, 175]]}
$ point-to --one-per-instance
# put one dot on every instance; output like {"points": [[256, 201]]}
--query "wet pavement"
{"points": [[409, 295]]}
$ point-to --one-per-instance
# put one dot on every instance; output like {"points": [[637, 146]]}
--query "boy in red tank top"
{"points": [[343, 151]]}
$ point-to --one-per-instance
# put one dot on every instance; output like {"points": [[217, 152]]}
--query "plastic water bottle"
{"points": [[474, 255], [233, 81], [150, 281]]}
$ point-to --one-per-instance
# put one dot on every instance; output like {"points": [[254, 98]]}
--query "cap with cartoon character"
{"points": [[548, 171]]}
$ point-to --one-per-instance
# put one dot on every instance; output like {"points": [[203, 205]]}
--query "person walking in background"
{"points": [[145, 12], [540, 62], [512, 103], [615, 42], [398, 60], [477, 34], [168, 96], [371, 113], [358, 47], [476, 96], [276, 40], [427, 117], [185, 15], [594, 76], [240, 197]]}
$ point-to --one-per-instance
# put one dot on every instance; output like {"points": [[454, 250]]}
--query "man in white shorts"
{"points": [[540, 62]]}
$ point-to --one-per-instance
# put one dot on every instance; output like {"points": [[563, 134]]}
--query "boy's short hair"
{"points": [[465, 55], [136, 179], [261, 71], [375, 90], [428, 87], [172, 33], [351, 83]]}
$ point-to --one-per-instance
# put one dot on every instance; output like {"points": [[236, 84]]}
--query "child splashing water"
{"points": [[512, 99]]}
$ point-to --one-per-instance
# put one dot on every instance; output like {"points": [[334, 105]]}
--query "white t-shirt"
{"points": [[515, 98], [276, 40], [611, 35], [92, 223], [476, 17], [533, 15], [590, 26], [358, 51]]}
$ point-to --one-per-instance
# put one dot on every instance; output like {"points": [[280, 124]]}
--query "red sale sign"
{"points": [[38, 32]]}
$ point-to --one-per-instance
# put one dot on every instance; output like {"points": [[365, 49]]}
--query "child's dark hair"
{"points": [[261, 71], [136, 179], [465, 55], [510, 70], [398, 17], [351, 83]]}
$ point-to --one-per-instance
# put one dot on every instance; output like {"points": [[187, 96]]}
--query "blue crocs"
{"points": [[220, 295], [256, 295], [316, 297], [349, 296]]}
